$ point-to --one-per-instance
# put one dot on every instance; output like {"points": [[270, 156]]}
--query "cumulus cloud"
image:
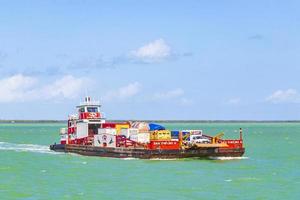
{"points": [[66, 87], [169, 94], [284, 96], [176, 95], [154, 51], [19, 88], [16, 88], [124, 92]]}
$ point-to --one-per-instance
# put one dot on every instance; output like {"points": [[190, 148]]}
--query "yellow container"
{"points": [[160, 135], [153, 135], [121, 126]]}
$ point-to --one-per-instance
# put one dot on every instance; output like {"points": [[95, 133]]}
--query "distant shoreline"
{"points": [[163, 121]]}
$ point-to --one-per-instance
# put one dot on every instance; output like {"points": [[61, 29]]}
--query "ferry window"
{"points": [[81, 110], [92, 109]]}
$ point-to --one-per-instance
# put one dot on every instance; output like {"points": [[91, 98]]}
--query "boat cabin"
{"points": [[89, 109], [86, 123]]}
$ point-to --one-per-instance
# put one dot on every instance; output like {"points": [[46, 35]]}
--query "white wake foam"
{"points": [[229, 158], [129, 158], [164, 159], [6, 146]]}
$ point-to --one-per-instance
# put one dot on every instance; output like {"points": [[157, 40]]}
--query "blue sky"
{"points": [[151, 59]]}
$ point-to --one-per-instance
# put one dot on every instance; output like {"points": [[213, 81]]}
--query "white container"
{"points": [[129, 131], [125, 132], [140, 137], [105, 140], [134, 137], [111, 131], [132, 131], [82, 130], [144, 137]]}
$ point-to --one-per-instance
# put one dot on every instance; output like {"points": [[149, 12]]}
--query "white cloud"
{"points": [[235, 100], [16, 88], [175, 95], [284, 96], [66, 87], [19, 88], [124, 92], [155, 51], [169, 94]]}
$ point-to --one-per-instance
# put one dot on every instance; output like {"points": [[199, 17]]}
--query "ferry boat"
{"points": [[88, 133]]}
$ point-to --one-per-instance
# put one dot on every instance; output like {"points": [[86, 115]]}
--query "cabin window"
{"points": [[93, 129], [92, 109], [81, 109]]}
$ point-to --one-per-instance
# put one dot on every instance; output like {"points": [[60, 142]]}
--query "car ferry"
{"points": [[88, 133]]}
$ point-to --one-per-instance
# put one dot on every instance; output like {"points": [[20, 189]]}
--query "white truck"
{"points": [[198, 139]]}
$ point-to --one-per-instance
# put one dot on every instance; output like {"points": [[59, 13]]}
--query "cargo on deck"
{"points": [[88, 133]]}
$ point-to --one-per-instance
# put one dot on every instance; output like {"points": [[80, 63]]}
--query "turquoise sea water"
{"points": [[270, 168]]}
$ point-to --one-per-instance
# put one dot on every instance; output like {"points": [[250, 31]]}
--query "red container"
{"points": [[113, 124], [163, 144], [122, 141], [109, 125]]}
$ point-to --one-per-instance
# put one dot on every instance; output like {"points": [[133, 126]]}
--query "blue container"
{"points": [[174, 134], [185, 133]]}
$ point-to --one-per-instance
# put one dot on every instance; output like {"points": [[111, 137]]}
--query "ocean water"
{"points": [[270, 169]]}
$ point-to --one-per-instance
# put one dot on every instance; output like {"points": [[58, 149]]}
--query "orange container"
{"points": [[163, 144]]}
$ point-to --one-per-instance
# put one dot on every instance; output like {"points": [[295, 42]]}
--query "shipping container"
{"points": [[82, 130], [109, 125], [175, 134], [111, 131], [128, 132], [140, 137], [160, 135], [122, 141], [124, 132], [105, 140], [119, 127], [163, 144]]}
